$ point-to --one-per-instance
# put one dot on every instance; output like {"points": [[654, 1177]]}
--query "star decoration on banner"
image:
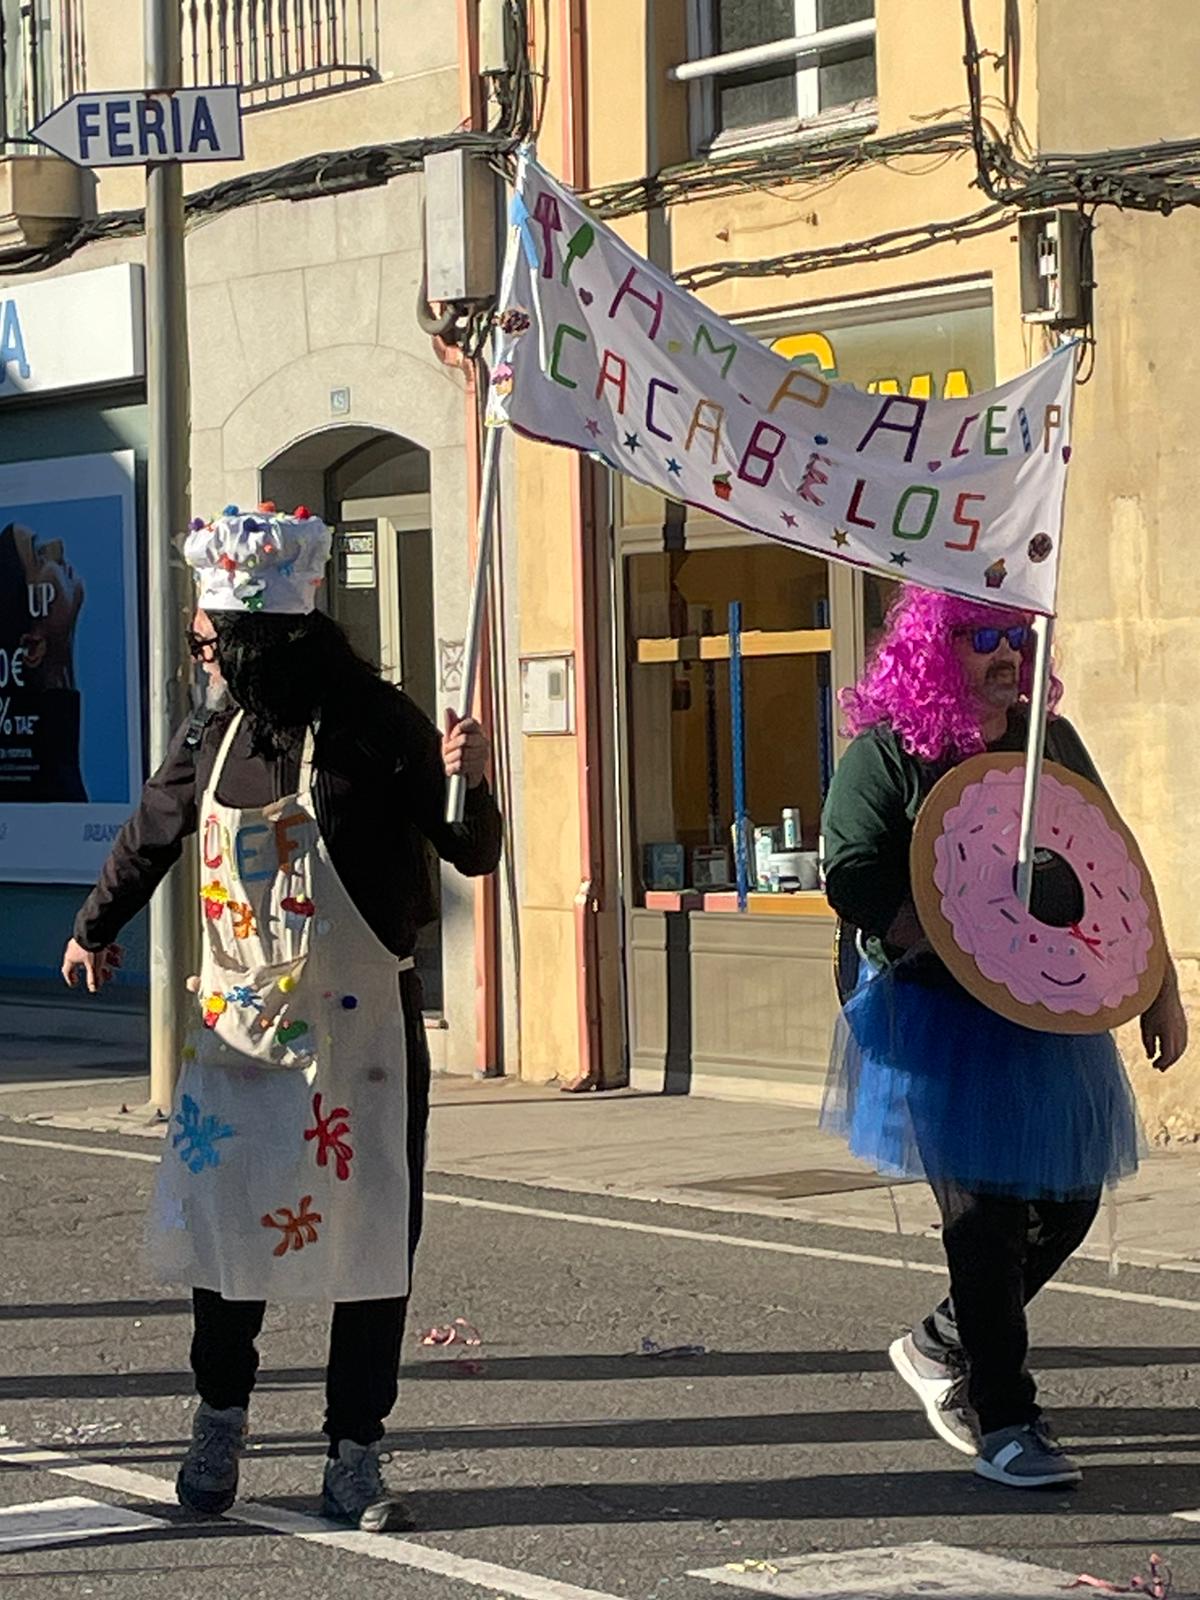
{"points": [[593, 427], [899, 559], [674, 468], [788, 518], [632, 443], [840, 538]]}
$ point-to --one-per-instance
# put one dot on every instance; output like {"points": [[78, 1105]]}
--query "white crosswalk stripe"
{"points": [[508, 1582], [66, 1521]]}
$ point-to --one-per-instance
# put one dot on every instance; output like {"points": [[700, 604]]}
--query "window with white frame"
{"points": [[763, 68]]}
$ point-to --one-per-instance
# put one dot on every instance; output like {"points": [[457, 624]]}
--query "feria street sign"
{"points": [[133, 127]]}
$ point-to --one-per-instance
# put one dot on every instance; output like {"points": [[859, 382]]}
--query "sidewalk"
{"points": [[769, 1160]]}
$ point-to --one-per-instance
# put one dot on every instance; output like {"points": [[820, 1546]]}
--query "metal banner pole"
{"points": [[456, 795], [738, 715], [1039, 710], [167, 394]]}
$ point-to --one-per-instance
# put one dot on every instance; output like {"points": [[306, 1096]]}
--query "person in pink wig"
{"points": [[1016, 1131]]}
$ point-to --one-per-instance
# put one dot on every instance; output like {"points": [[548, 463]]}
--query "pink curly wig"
{"points": [[914, 682]]}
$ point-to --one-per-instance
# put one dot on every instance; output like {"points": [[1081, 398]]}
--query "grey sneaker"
{"points": [[208, 1478], [355, 1491], [1025, 1457], [942, 1392]]}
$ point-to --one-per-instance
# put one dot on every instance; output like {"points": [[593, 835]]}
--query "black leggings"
{"points": [[1000, 1253], [364, 1345]]}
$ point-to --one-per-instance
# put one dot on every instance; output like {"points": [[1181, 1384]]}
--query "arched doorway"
{"points": [[372, 487]]}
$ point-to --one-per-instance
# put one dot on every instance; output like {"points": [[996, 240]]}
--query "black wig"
{"points": [[283, 670]]}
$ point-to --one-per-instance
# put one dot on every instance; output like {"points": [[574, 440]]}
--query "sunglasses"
{"points": [[986, 641], [202, 646]]}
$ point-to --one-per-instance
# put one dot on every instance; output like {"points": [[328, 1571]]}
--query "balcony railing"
{"points": [[43, 61], [281, 50]]}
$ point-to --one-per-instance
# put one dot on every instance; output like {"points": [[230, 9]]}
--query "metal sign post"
{"points": [[172, 912]]}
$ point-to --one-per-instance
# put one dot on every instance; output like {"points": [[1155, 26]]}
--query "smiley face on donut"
{"points": [[1088, 954]]}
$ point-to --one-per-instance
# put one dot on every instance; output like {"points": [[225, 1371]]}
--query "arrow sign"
{"points": [[133, 127]]}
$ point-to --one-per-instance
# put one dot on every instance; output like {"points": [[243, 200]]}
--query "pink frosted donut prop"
{"points": [[1095, 958]]}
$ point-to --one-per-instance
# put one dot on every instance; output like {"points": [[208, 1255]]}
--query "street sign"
{"points": [[134, 127]]}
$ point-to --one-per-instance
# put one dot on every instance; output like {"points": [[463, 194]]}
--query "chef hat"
{"points": [[260, 561]]}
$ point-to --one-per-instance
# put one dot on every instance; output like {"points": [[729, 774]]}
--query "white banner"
{"points": [[603, 353]]}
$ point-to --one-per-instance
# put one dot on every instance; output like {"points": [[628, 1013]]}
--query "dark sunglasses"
{"points": [[203, 646], [986, 641]]}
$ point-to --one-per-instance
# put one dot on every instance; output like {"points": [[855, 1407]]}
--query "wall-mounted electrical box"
{"points": [[460, 227], [495, 38], [548, 694], [1055, 286]]}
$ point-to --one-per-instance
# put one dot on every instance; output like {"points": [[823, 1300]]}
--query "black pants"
{"points": [[1000, 1253], [364, 1346]]}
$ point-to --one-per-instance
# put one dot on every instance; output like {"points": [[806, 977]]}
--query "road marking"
{"points": [[35, 1085], [892, 1572], [782, 1247], [30, 1527], [82, 1149], [388, 1547], [660, 1230]]}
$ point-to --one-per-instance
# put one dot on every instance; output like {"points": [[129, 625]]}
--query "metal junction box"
{"points": [[460, 227]]}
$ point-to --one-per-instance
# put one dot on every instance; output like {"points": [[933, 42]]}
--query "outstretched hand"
{"points": [[465, 749], [97, 966]]}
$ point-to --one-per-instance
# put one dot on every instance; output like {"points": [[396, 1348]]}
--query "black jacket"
{"points": [[380, 792]]}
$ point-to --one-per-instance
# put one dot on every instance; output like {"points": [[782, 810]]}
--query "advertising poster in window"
{"points": [[70, 744]]}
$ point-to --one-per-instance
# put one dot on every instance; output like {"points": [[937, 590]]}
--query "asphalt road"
{"points": [[558, 1461]]}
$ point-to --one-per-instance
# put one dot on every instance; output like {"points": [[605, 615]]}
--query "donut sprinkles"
{"points": [[1094, 964]]}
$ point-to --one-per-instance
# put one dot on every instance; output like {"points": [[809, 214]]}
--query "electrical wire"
{"points": [[1156, 177], [759, 169], [880, 247], [330, 172]]}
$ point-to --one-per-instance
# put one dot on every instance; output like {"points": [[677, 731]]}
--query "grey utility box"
{"points": [[460, 227]]}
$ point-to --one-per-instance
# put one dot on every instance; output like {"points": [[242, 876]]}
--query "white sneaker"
{"points": [[942, 1393]]}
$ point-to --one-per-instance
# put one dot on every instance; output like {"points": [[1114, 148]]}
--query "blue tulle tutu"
{"points": [[925, 1082]]}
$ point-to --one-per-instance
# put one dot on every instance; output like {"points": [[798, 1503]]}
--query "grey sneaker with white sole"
{"points": [[942, 1392], [355, 1491], [1025, 1457]]}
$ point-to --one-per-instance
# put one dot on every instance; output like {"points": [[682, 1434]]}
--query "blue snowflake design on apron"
{"points": [[198, 1136]]}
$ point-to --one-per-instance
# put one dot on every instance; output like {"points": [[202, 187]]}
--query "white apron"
{"points": [[284, 1175]]}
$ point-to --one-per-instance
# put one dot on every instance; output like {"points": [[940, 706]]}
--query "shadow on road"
{"points": [[548, 1369]]}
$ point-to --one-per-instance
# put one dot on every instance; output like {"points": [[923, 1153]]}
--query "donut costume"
{"points": [[1087, 955]]}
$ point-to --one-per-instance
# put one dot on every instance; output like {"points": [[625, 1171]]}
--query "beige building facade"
{"points": [[680, 993], [312, 381]]}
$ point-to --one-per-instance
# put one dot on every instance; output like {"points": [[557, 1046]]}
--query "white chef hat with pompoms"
{"points": [[259, 560]]}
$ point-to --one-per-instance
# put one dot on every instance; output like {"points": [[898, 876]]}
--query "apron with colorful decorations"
{"points": [[284, 1175]]}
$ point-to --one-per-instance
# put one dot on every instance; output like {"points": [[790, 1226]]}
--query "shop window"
{"points": [[681, 777], [813, 63], [807, 624]]}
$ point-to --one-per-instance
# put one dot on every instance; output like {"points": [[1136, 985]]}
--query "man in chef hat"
{"points": [[293, 1165]]}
